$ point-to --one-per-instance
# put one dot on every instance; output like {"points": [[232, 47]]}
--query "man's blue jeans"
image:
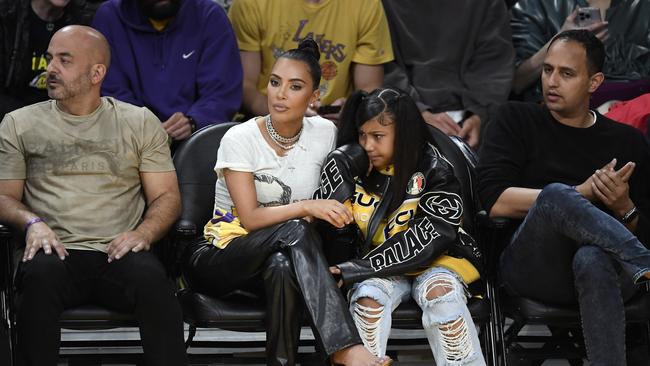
{"points": [[566, 251]]}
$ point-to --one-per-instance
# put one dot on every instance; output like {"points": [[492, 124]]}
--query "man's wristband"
{"points": [[32, 222], [192, 123], [630, 215]]}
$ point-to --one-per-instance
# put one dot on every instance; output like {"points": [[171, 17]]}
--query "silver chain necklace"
{"points": [[285, 143]]}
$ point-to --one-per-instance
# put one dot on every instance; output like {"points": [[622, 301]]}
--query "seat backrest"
{"points": [[464, 160], [194, 161], [195, 158]]}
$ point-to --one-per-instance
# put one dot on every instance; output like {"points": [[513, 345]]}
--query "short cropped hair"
{"points": [[593, 46]]}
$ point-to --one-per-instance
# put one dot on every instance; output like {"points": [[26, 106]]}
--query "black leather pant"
{"points": [[288, 259]]}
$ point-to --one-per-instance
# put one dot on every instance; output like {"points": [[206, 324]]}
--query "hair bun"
{"points": [[310, 46]]}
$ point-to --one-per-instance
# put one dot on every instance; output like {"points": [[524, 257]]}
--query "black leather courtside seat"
{"points": [[195, 160]]}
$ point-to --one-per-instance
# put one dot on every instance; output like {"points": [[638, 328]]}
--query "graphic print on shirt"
{"points": [[363, 205], [399, 219], [39, 63], [327, 46], [76, 157], [271, 191]]}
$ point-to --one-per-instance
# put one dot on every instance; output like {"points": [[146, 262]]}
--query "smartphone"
{"points": [[588, 16], [329, 109]]}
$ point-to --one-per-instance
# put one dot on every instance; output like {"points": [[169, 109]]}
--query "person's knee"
{"points": [[372, 291], [42, 270], [371, 308], [297, 226], [442, 299], [278, 263], [370, 300], [145, 270], [438, 290], [440, 287], [588, 256], [555, 192], [299, 232]]}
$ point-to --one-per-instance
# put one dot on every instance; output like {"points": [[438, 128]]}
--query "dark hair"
{"points": [[308, 53], [387, 105], [593, 46]]}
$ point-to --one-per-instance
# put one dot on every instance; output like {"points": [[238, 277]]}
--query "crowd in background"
{"points": [[458, 60]]}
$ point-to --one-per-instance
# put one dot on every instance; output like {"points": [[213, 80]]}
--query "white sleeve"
{"points": [[333, 137], [235, 153]]}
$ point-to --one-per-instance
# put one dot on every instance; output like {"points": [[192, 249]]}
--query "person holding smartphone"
{"points": [[623, 28]]}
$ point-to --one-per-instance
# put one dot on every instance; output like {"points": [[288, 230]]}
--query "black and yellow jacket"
{"points": [[424, 231]]}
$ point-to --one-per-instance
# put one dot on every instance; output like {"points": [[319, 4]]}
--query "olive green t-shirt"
{"points": [[82, 173]]}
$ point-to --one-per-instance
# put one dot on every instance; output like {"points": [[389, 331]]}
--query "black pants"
{"points": [[288, 259], [134, 283]]}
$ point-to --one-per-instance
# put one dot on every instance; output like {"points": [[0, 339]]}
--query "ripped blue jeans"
{"points": [[446, 319]]}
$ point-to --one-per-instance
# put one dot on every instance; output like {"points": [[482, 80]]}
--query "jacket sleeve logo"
{"points": [[415, 185], [330, 180], [443, 205]]}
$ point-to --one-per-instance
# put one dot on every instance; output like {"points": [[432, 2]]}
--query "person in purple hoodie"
{"points": [[179, 58]]}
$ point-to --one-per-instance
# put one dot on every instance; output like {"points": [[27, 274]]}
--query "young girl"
{"points": [[407, 206], [267, 170]]}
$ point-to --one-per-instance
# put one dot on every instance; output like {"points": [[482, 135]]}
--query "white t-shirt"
{"points": [[279, 180]]}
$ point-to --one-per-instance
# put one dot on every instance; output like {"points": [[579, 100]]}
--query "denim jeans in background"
{"points": [[568, 251], [450, 308]]}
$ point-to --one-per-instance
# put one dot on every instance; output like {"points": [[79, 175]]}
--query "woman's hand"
{"points": [[331, 211]]}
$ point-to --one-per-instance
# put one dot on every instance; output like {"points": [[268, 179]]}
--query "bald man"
{"points": [[90, 182]]}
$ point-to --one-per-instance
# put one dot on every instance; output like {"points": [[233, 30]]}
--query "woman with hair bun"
{"points": [[260, 238]]}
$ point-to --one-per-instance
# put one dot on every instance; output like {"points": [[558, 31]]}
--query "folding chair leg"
{"points": [[13, 352], [493, 344], [496, 324], [190, 336], [484, 338]]}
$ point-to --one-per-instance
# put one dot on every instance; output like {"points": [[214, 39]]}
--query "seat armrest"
{"points": [[5, 231], [185, 228], [485, 221]]}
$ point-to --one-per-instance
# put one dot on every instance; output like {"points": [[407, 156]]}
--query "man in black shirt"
{"points": [[580, 182], [26, 27]]}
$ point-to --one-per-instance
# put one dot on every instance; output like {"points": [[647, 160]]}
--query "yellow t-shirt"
{"points": [[347, 31]]}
